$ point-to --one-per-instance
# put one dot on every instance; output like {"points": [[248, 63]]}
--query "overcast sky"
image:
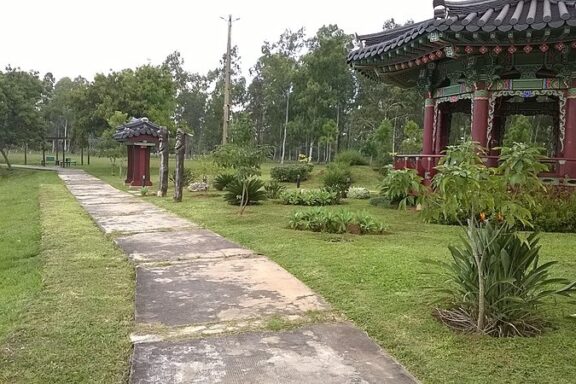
{"points": [[82, 37]]}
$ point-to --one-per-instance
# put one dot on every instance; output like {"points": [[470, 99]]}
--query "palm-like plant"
{"points": [[244, 192]]}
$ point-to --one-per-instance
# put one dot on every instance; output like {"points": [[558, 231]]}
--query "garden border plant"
{"points": [[497, 284]]}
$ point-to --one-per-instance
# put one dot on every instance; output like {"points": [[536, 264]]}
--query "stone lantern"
{"points": [[140, 137]]}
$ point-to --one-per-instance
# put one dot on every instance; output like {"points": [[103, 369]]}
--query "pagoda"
{"points": [[490, 59]]}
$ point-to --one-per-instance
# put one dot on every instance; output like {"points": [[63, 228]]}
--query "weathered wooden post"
{"points": [[180, 149], [163, 149]]}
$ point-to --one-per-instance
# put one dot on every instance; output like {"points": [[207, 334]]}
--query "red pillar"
{"points": [[130, 166], [480, 122], [147, 167], [570, 137], [427, 142]]}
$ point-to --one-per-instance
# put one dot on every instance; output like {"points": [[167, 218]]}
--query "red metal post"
{"points": [[480, 122]]}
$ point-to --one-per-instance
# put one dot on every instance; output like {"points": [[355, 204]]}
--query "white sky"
{"points": [[81, 37]]}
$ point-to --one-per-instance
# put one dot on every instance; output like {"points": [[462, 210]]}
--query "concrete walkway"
{"points": [[210, 311]]}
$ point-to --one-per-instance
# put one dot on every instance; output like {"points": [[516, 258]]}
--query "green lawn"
{"points": [[66, 293], [380, 283]]}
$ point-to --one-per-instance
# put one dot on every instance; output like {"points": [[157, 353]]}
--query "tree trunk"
{"points": [[82, 155], [180, 149], [311, 150], [5, 158], [244, 196], [164, 154], [25, 153], [478, 256], [285, 126]]}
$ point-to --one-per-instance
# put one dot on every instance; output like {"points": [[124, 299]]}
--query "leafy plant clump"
{"points": [[342, 221], [289, 173], [338, 178], [555, 210], [187, 177], [312, 197], [143, 191], [402, 187], [517, 284], [495, 280], [351, 157], [222, 180], [274, 189], [359, 193], [245, 192]]}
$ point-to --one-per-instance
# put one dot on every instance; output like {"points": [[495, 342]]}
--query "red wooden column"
{"points": [[147, 167], [480, 118], [130, 166], [570, 137], [427, 142]]}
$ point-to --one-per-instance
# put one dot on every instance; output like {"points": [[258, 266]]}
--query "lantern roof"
{"points": [[136, 128]]}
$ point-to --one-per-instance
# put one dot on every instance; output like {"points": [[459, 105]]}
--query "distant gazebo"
{"points": [[489, 59], [140, 136]]}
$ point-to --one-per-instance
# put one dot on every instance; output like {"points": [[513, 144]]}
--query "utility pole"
{"points": [[226, 119]]}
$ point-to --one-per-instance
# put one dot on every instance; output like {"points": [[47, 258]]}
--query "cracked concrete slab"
{"points": [[179, 246], [140, 223], [208, 291], [319, 354], [116, 209]]}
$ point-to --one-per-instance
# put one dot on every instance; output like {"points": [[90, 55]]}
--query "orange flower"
{"points": [[482, 217]]}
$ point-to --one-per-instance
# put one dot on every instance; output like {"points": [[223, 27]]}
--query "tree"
{"points": [[519, 131], [412, 142], [20, 117]]}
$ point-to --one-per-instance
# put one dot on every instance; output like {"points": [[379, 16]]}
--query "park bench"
{"points": [[68, 162], [49, 159]]}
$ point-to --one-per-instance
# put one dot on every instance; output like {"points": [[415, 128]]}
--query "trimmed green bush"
{"points": [[313, 197], [351, 157], [359, 193], [342, 221], [338, 178], [222, 180], [289, 173], [380, 202], [555, 210], [253, 194]]}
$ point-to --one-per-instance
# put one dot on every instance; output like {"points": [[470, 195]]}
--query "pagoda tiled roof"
{"points": [[471, 16], [136, 128]]}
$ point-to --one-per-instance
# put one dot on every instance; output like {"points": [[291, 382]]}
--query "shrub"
{"points": [[222, 180], [252, 188], [342, 221], [313, 197], [187, 177], [380, 202], [555, 210], [351, 157], [359, 193], [516, 282], [338, 179], [274, 189], [402, 187], [289, 173]]}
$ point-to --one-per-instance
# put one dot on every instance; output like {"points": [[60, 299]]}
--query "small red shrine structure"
{"points": [[490, 59], [140, 137]]}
